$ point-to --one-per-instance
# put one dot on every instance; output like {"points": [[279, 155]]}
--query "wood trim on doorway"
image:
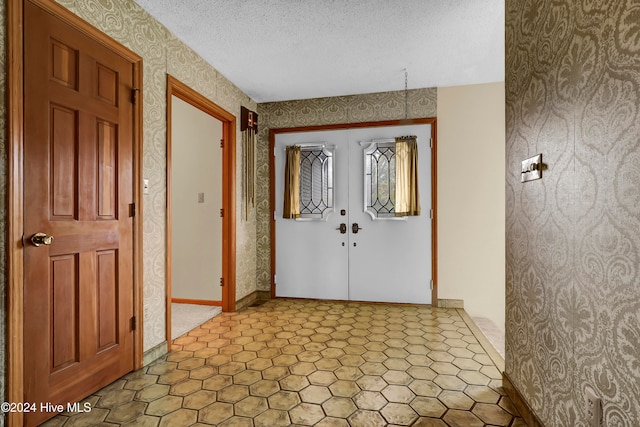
{"points": [[15, 189], [434, 186], [185, 93], [196, 302]]}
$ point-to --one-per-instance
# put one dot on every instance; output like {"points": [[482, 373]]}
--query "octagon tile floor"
{"points": [[299, 362]]}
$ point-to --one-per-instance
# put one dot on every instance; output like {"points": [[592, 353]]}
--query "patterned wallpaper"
{"points": [[162, 53], [322, 111], [573, 238]]}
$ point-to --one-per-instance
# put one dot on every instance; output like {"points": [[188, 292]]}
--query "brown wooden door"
{"points": [[78, 162]]}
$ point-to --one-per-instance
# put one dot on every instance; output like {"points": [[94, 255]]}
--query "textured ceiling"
{"points": [[278, 50]]}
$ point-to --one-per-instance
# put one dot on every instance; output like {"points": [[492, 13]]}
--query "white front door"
{"points": [[385, 260]]}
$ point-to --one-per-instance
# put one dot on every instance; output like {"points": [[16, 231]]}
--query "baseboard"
{"points": [[518, 401], [155, 353], [252, 298], [196, 301], [484, 342], [450, 303]]}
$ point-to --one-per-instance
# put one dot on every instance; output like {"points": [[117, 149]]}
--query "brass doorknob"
{"points": [[39, 239]]}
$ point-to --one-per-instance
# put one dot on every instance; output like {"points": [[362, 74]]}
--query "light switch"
{"points": [[200, 197], [531, 168], [145, 186]]}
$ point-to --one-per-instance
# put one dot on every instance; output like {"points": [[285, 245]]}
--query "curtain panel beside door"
{"points": [[407, 194], [292, 183]]}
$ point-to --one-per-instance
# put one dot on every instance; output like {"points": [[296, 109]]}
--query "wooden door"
{"points": [[78, 162]]}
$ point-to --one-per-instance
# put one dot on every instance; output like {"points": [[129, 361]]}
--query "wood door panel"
{"points": [[107, 84], [64, 64], [107, 292], [107, 169], [63, 151], [63, 297], [78, 291]]}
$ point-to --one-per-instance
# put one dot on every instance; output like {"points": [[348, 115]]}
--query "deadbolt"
{"points": [[39, 239], [342, 228]]}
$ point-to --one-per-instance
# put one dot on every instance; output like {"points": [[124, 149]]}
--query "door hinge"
{"points": [[431, 213], [274, 215], [222, 281], [430, 142], [274, 151], [431, 284], [221, 212], [222, 143], [134, 94], [132, 209], [274, 279], [134, 323]]}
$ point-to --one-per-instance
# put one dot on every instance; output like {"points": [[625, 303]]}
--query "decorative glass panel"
{"points": [[316, 182], [380, 179]]}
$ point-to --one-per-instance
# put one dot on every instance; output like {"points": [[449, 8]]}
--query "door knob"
{"points": [[355, 228], [39, 239], [342, 228]]}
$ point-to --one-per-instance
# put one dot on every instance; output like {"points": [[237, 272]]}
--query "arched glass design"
{"points": [[380, 179], [316, 182]]}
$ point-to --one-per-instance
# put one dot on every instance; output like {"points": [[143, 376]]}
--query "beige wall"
{"points": [[196, 237], [471, 152]]}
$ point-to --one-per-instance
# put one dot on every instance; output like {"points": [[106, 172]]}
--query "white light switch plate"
{"points": [[531, 168]]}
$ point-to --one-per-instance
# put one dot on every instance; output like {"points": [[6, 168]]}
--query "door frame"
{"points": [[180, 90], [15, 189], [434, 185]]}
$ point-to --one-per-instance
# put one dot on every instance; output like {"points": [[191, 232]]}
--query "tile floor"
{"points": [[298, 362]]}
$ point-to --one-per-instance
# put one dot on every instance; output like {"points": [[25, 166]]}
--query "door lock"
{"points": [[355, 228], [39, 239], [342, 228]]}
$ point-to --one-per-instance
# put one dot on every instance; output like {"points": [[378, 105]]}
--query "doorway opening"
{"points": [[200, 209]]}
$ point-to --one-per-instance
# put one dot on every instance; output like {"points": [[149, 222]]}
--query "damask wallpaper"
{"points": [[573, 237], [322, 111]]}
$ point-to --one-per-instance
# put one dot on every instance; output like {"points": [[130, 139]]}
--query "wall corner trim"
{"points": [[156, 352], [450, 303], [520, 403]]}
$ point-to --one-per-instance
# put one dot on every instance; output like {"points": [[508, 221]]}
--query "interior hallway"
{"points": [[299, 362]]}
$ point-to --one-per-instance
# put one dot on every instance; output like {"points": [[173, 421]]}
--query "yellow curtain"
{"points": [[407, 195], [292, 183]]}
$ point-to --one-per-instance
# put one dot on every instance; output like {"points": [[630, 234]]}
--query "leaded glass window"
{"points": [[380, 179], [316, 182]]}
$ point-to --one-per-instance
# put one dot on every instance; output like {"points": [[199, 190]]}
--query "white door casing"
{"points": [[387, 260]]}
